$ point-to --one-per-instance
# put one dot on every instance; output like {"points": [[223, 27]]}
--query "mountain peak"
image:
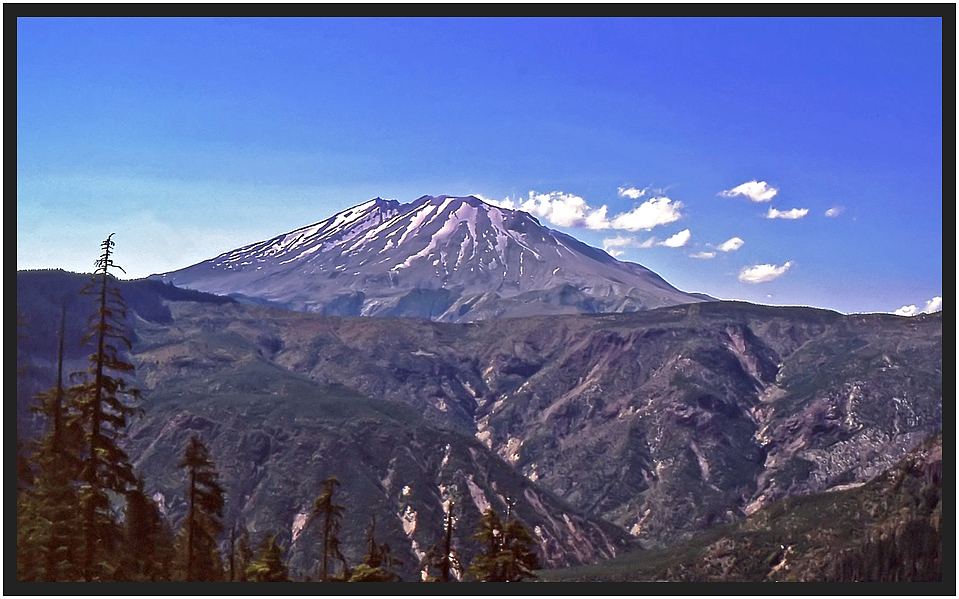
{"points": [[443, 257]]}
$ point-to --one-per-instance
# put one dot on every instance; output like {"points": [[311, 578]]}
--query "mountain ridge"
{"points": [[446, 258], [662, 423]]}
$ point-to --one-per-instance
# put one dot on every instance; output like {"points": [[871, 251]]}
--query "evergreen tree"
{"points": [[63, 435], [51, 526], [148, 544], [103, 402], [441, 555], [518, 546], [330, 514], [204, 521], [508, 554], [268, 565], [377, 563]]}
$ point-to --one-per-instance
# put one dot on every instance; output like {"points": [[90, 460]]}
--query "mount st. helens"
{"points": [[450, 259]]}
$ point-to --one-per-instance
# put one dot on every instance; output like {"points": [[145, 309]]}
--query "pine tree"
{"points": [[63, 436], [54, 525], [268, 565], [330, 514], [377, 563], [486, 565], [508, 554], [518, 546], [204, 520], [103, 402], [441, 555], [148, 545], [51, 526]]}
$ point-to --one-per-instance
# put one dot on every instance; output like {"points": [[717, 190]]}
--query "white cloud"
{"points": [[792, 214], [596, 219], [651, 213], [631, 192], [678, 240], [731, 245], [613, 245], [906, 311], [834, 211], [504, 203], [762, 273], [703, 255], [565, 210], [756, 191], [569, 210], [933, 305]]}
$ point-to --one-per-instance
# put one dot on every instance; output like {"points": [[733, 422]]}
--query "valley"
{"points": [[605, 433]]}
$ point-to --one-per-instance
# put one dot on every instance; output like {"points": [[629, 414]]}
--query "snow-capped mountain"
{"points": [[446, 258]]}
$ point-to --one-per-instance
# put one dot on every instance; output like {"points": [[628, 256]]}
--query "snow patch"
{"points": [[418, 220]]}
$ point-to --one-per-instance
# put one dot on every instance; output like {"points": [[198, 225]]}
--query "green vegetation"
{"points": [[508, 554], [268, 565], [82, 514], [377, 563], [68, 528], [201, 557]]}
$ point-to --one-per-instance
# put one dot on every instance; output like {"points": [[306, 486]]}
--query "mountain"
{"points": [[886, 530], [451, 259], [653, 426], [275, 435]]}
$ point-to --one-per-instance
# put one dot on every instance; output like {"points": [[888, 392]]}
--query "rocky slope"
{"points": [[663, 423], [452, 259], [887, 530]]}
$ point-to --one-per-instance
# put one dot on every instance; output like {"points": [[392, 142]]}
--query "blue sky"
{"points": [[778, 161]]}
